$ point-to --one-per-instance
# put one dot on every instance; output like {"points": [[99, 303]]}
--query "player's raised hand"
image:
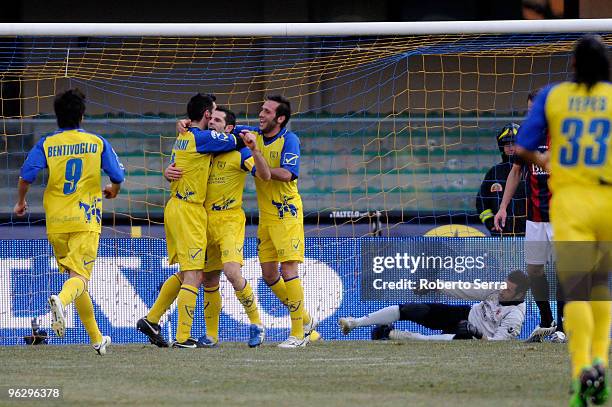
{"points": [[249, 139], [172, 173], [20, 208], [111, 191], [499, 221], [182, 125]]}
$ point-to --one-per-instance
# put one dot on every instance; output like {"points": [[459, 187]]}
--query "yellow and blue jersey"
{"points": [[73, 195], [226, 180], [192, 153], [278, 201], [578, 121]]}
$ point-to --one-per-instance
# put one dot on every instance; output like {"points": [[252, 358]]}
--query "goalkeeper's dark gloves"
{"points": [[381, 332], [467, 330]]}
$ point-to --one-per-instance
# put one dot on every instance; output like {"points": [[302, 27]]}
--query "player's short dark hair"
{"points": [[198, 105], [283, 109], [69, 108], [521, 280], [230, 117], [592, 61], [532, 95]]}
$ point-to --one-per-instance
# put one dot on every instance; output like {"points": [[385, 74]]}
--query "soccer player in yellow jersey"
{"points": [[225, 232], [73, 205], [577, 115], [185, 222], [280, 232]]}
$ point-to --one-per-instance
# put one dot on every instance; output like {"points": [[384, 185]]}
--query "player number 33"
{"points": [[594, 155]]}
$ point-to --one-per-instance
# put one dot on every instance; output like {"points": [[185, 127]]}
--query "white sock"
{"points": [[385, 316], [440, 337]]}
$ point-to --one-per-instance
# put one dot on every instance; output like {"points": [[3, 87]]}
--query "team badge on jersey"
{"points": [[497, 187], [273, 155], [220, 165]]}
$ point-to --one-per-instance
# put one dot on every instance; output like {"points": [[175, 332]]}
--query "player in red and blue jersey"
{"points": [[538, 237]]}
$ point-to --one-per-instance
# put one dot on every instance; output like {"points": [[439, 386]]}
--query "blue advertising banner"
{"points": [[341, 277]]}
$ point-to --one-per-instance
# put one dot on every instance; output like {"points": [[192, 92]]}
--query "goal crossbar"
{"points": [[304, 29]]}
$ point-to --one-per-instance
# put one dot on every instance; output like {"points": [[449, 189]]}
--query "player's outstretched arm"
{"points": [[21, 206], [514, 177]]}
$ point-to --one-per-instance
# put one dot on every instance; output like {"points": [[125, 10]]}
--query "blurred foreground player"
{"points": [[73, 205], [498, 316], [578, 115]]}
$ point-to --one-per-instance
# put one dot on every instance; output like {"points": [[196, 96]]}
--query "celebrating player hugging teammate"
{"points": [[73, 205], [281, 231], [185, 222], [226, 221]]}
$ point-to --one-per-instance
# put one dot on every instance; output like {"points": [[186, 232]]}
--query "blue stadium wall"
{"points": [[129, 272]]}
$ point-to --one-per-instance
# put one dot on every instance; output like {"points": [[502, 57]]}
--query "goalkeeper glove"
{"points": [[467, 330]]}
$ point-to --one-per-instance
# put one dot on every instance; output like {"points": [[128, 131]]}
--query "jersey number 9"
{"points": [[74, 168]]}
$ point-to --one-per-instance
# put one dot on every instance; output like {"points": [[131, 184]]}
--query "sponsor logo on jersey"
{"points": [[223, 205], [285, 207], [91, 210], [184, 196]]}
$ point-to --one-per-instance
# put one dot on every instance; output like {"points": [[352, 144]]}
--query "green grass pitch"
{"points": [[335, 373]]}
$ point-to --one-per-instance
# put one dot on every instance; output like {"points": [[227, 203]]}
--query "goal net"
{"points": [[397, 133]]}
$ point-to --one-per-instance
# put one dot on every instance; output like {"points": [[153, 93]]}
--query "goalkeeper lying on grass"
{"points": [[498, 316]]}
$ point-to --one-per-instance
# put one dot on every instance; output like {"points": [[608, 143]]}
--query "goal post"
{"points": [[397, 125]]}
